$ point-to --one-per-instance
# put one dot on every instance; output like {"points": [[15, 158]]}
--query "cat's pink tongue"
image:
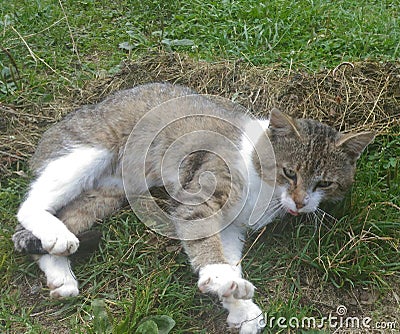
{"points": [[293, 213]]}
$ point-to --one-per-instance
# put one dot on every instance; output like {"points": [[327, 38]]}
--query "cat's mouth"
{"points": [[293, 213]]}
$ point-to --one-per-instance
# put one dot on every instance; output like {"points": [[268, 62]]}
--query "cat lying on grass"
{"points": [[224, 172]]}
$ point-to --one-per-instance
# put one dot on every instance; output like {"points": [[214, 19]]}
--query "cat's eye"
{"points": [[289, 173], [324, 184]]}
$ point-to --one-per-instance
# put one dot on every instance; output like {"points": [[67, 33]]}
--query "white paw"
{"points": [[244, 315], [61, 282], [60, 278], [225, 281], [67, 289], [59, 241]]}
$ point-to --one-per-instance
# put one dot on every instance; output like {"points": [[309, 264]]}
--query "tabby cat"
{"points": [[222, 171]]}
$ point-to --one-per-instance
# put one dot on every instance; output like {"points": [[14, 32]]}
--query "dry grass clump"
{"points": [[352, 96]]}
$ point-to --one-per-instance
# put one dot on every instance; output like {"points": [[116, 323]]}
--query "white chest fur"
{"points": [[259, 206]]}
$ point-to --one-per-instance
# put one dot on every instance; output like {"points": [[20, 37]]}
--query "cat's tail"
{"points": [[26, 242]]}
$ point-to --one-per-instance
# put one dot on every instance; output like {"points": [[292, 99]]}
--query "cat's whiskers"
{"points": [[319, 217], [315, 219], [274, 204], [326, 214], [279, 211], [274, 209]]}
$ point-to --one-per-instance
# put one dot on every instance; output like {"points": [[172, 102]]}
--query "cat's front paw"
{"points": [[66, 289], [244, 315], [59, 241], [225, 281], [60, 277]]}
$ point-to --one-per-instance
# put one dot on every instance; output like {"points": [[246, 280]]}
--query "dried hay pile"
{"points": [[351, 96]]}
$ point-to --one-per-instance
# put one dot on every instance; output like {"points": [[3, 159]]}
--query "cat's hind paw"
{"points": [[244, 315], [59, 242], [225, 281]]}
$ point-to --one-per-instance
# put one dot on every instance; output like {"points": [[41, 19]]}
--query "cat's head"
{"points": [[314, 162]]}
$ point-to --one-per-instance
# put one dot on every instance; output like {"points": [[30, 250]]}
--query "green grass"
{"points": [[54, 46], [48, 49]]}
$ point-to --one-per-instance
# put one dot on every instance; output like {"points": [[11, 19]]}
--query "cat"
{"points": [[223, 171]]}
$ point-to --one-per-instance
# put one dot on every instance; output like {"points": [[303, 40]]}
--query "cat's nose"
{"points": [[303, 202]]}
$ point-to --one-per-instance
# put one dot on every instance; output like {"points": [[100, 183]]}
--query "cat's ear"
{"points": [[282, 124], [355, 143]]}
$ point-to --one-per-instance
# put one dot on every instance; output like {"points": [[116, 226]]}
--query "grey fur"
{"points": [[26, 242]]}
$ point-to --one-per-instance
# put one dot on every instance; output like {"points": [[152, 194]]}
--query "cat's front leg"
{"points": [[60, 278], [216, 259]]}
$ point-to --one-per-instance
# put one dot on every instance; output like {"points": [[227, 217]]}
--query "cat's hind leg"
{"points": [[59, 183], [92, 206], [78, 216]]}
